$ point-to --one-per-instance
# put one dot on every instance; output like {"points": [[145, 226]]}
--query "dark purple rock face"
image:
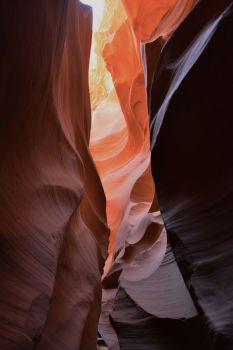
{"points": [[191, 132], [139, 330]]}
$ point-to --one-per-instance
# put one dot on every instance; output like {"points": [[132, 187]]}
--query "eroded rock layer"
{"points": [[54, 236], [138, 244], [191, 111], [52, 206], [122, 122], [139, 330]]}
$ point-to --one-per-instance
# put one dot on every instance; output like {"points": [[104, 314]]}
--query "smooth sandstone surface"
{"points": [[191, 135], [54, 236], [53, 224], [137, 247], [120, 131]]}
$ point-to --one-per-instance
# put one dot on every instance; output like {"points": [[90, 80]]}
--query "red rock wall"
{"points": [[52, 206]]}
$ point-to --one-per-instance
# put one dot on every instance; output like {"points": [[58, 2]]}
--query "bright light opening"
{"points": [[98, 8], [98, 11]]}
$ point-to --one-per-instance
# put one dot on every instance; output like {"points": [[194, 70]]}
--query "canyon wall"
{"points": [[54, 236]]}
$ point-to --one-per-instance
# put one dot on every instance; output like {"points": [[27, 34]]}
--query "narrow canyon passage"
{"points": [[116, 194], [127, 43]]}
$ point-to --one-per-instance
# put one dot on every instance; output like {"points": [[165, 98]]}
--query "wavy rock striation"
{"points": [[52, 207], [138, 245], [191, 117]]}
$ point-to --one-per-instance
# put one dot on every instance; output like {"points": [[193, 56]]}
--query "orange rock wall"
{"points": [[120, 130]]}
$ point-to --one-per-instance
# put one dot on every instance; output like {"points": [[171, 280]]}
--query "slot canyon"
{"points": [[116, 181]]}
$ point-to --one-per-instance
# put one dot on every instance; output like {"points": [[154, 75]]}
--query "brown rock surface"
{"points": [[52, 206]]}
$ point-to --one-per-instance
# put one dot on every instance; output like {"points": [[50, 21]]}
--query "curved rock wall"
{"points": [[52, 206], [191, 159], [120, 132]]}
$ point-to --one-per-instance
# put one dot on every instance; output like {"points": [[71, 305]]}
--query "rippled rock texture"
{"points": [[52, 206], [120, 134], [54, 235], [191, 115], [138, 239]]}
